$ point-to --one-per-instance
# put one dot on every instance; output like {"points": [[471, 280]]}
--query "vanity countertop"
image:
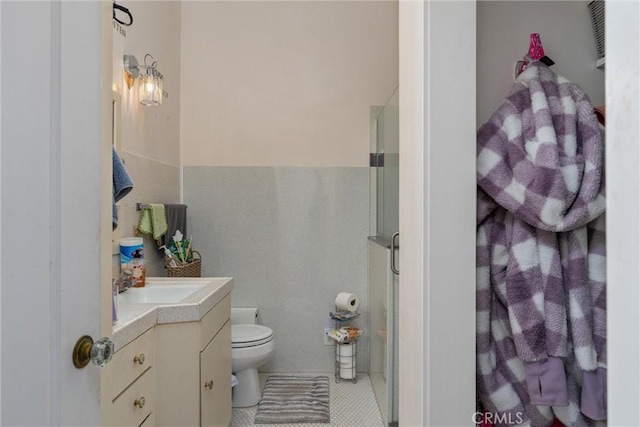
{"points": [[136, 318]]}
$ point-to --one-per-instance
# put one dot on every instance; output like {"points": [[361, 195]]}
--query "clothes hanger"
{"points": [[123, 9]]}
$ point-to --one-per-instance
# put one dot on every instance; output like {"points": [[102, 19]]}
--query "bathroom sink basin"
{"points": [[159, 294]]}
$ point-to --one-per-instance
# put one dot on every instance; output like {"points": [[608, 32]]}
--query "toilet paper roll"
{"points": [[346, 301], [347, 373], [344, 359], [344, 350]]}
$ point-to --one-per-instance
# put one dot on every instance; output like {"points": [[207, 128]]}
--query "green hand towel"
{"points": [[153, 221]]}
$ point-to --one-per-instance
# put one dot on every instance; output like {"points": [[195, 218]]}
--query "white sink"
{"points": [[160, 294]]}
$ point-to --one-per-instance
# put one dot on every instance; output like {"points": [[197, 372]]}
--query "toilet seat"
{"points": [[243, 336]]}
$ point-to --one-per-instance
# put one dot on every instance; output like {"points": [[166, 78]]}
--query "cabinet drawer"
{"points": [[126, 410], [212, 322], [129, 363]]}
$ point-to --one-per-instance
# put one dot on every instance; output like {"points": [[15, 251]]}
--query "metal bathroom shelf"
{"points": [[342, 356], [344, 316]]}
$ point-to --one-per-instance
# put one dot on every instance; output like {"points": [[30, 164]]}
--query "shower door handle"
{"points": [[394, 268]]}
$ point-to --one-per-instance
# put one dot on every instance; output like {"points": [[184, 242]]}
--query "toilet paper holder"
{"points": [[346, 351]]}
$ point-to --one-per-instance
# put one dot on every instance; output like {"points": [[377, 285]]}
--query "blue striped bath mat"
{"points": [[288, 399]]}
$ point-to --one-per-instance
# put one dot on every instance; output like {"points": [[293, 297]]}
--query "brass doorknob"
{"points": [[208, 384], [140, 402], [85, 350], [139, 359]]}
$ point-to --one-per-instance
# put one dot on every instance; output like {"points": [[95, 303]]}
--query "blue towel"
{"points": [[122, 184]]}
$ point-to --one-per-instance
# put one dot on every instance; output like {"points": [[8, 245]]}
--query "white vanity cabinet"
{"points": [[193, 370], [215, 380], [129, 382]]}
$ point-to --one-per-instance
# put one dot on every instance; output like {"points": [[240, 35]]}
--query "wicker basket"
{"points": [[191, 269]]}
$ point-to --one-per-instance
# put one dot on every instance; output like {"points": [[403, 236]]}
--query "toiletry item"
{"points": [[168, 256], [338, 335], [345, 334], [180, 252], [188, 252], [132, 256], [177, 239]]}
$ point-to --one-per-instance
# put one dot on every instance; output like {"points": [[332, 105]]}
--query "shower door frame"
{"points": [[381, 155]]}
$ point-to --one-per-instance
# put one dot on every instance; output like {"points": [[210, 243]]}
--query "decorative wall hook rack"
{"points": [[535, 53]]}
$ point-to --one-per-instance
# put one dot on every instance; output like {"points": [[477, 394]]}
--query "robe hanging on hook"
{"points": [[116, 6]]}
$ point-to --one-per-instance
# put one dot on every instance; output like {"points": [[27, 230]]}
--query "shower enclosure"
{"points": [[383, 253]]}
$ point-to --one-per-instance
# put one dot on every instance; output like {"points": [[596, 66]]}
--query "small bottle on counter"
{"points": [[132, 256]]}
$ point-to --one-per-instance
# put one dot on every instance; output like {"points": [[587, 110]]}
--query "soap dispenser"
{"points": [[168, 256]]}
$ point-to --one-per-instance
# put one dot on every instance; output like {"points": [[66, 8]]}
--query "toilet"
{"points": [[251, 347]]}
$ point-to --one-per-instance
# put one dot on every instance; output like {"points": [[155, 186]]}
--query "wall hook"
{"points": [[535, 53], [116, 6]]}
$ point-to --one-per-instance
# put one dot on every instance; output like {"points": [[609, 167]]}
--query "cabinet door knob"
{"points": [[140, 402], [208, 384], [139, 359]]}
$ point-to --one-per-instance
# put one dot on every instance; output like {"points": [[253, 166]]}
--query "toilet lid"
{"points": [[250, 335]]}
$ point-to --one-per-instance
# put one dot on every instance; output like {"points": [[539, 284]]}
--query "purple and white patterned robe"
{"points": [[541, 342]]}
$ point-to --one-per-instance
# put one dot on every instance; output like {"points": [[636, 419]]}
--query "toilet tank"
{"points": [[244, 316]]}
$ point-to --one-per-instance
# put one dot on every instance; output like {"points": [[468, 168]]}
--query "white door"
{"points": [[437, 212], [54, 208], [623, 211]]}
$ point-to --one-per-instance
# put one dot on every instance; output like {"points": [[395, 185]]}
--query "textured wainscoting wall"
{"points": [[154, 182], [292, 238]]}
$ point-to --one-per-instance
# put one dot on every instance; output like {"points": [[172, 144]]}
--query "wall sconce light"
{"points": [[149, 79]]}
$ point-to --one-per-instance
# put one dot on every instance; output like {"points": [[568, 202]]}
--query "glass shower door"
{"points": [[383, 282], [387, 130]]}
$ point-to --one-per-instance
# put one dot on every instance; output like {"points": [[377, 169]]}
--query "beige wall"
{"points": [[151, 132], [503, 38], [284, 83], [150, 136]]}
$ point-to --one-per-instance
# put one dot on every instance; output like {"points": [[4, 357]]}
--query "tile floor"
{"points": [[379, 385], [351, 405]]}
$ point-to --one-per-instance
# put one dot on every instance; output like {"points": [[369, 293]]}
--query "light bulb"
{"points": [[150, 88]]}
